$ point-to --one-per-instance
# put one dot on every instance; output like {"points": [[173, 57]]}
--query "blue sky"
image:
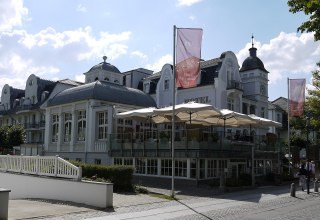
{"points": [[58, 39]]}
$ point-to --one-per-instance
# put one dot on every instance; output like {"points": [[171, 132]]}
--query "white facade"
{"points": [[80, 122]]}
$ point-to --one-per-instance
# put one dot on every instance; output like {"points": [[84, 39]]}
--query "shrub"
{"points": [[119, 175]]}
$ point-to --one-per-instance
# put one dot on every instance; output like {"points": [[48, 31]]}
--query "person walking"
{"points": [[302, 176]]}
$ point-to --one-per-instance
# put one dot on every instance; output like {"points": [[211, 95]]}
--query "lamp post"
{"points": [[307, 152]]}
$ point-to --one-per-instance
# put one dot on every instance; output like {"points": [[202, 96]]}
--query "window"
{"points": [[166, 84], [212, 169], [181, 168], [166, 167], [116, 81], [96, 79], [140, 166], [81, 122], [67, 127], [262, 90], [152, 166], [128, 161], [146, 87], [97, 161], [278, 117], [55, 128], [262, 112], [106, 79], [193, 168], [78, 159], [102, 125], [258, 167], [117, 161], [230, 103]]}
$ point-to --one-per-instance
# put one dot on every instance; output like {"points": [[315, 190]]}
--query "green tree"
{"points": [[3, 136], [11, 136], [16, 135], [308, 7]]}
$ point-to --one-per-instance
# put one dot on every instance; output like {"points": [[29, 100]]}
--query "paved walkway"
{"points": [[142, 206]]}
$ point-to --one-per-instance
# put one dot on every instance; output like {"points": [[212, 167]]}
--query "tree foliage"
{"points": [[313, 100], [16, 135], [10, 136], [308, 7]]}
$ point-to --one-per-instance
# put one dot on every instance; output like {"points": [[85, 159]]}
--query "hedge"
{"points": [[119, 175]]}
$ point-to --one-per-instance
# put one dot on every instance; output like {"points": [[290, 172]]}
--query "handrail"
{"points": [[40, 165]]}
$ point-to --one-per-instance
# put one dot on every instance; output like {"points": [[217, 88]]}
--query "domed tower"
{"points": [[104, 72], [254, 78]]}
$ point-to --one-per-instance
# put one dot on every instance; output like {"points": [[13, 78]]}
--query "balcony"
{"points": [[34, 126], [233, 84], [193, 143]]}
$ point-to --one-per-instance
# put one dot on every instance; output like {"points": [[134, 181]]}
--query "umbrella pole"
{"points": [[224, 127]]}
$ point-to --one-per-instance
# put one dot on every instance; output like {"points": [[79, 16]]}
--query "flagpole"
{"points": [[288, 106], [173, 110]]}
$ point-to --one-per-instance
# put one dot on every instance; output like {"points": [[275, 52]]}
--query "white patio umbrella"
{"points": [[144, 115], [229, 118], [264, 122], [187, 112]]}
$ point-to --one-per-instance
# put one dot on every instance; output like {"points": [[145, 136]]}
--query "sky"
{"points": [[58, 39]]}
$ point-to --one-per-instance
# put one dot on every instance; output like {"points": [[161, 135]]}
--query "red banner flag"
{"points": [[188, 57], [296, 96]]}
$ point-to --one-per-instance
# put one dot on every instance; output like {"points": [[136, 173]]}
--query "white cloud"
{"points": [[81, 8], [80, 77], [288, 53], [139, 54], [47, 52], [12, 13], [187, 2], [157, 66]]}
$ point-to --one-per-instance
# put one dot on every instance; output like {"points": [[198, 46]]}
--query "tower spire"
{"points": [[252, 37]]}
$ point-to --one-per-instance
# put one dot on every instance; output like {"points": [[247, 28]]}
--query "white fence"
{"points": [[40, 165]]}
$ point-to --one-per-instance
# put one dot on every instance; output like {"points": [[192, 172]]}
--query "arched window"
{"points": [[81, 122], [55, 128], [230, 103], [67, 127]]}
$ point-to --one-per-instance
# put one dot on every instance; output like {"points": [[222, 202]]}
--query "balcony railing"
{"points": [[188, 143], [35, 125], [233, 84]]}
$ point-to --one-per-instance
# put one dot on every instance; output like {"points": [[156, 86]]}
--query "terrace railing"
{"points": [[40, 165]]}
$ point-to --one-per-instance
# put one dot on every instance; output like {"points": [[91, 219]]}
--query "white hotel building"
{"points": [[78, 120]]}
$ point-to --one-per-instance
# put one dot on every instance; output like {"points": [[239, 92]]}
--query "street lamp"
{"points": [[307, 152]]}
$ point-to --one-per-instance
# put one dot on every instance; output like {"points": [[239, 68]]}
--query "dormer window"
{"points": [[146, 87], [31, 82], [166, 84]]}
